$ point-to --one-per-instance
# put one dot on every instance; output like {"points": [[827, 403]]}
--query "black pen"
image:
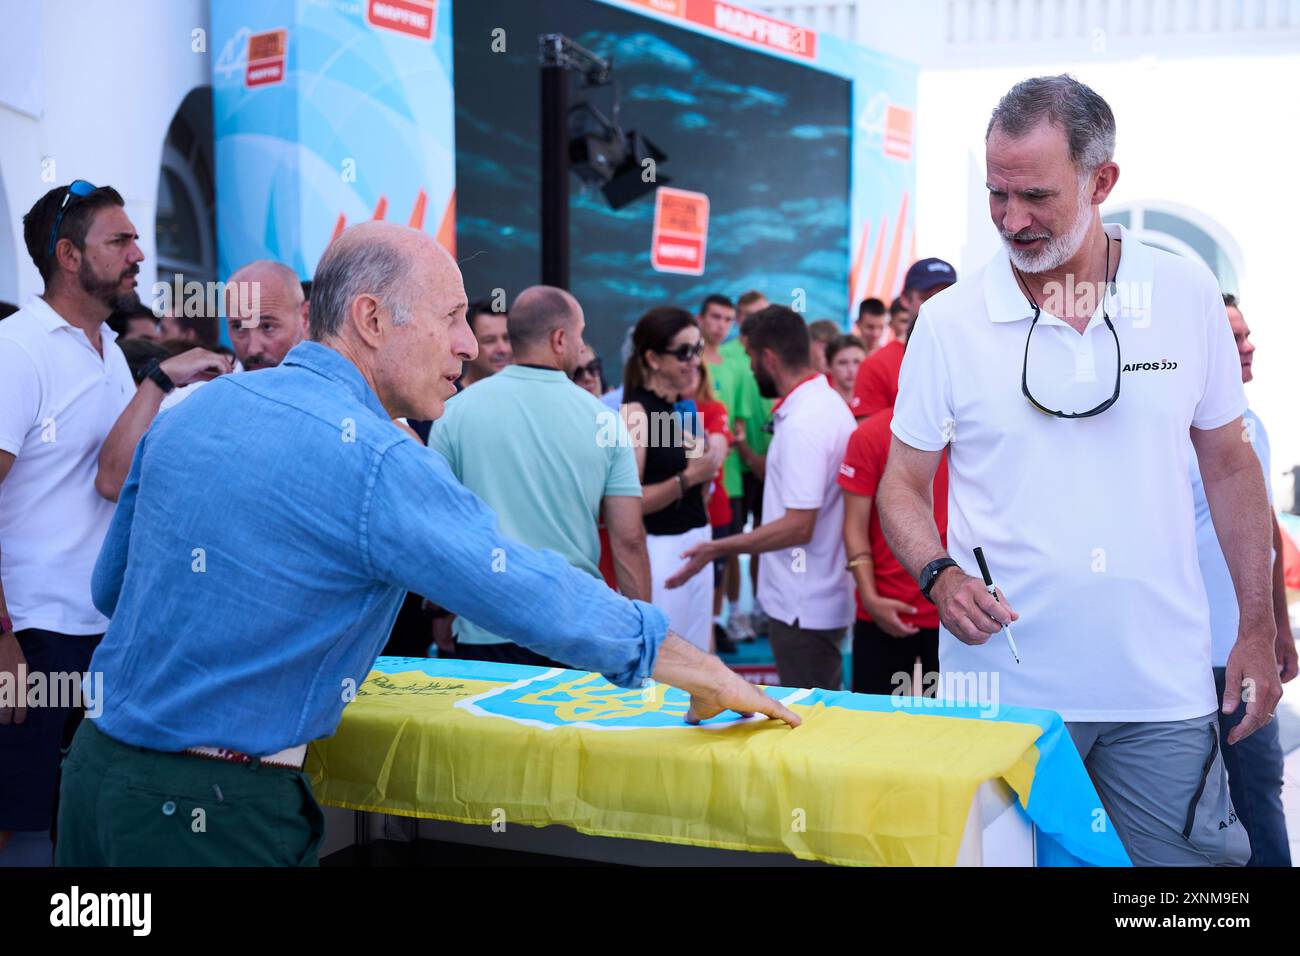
{"points": [[988, 586]]}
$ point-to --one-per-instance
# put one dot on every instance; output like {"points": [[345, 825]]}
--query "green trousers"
{"points": [[121, 805]]}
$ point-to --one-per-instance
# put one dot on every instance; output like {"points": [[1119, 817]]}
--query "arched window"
{"points": [[1185, 232], [186, 227]]}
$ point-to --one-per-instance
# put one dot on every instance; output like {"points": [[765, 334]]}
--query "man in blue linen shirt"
{"points": [[241, 631]]}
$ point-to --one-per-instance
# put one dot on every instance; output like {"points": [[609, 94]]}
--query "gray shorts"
{"points": [[1165, 790]]}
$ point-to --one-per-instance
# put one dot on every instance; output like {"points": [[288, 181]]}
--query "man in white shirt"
{"points": [[1064, 379], [63, 381], [804, 588]]}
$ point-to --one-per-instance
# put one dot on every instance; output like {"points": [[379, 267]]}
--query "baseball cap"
{"points": [[928, 273]]}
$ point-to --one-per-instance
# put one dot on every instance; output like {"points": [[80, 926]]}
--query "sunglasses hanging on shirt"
{"points": [[1108, 286]]}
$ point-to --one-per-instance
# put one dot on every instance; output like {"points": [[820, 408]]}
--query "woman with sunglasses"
{"points": [[675, 459], [588, 374]]}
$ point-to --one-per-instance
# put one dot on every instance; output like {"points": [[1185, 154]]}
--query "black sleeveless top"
{"points": [[662, 463]]}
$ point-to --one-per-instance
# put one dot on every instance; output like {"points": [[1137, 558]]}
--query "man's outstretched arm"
{"points": [[447, 546]]}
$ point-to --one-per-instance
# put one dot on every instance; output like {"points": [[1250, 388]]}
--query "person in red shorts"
{"points": [[895, 623], [876, 386]]}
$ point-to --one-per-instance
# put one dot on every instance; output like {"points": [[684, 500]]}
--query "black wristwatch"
{"points": [[153, 371], [930, 573]]}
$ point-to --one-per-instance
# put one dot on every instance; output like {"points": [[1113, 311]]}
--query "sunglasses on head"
{"points": [[684, 353], [78, 189]]}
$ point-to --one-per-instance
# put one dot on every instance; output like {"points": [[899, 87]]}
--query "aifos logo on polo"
{"points": [[1158, 366]]}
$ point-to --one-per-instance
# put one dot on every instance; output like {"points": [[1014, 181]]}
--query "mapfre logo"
{"points": [[1160, 366], [415, 18]]}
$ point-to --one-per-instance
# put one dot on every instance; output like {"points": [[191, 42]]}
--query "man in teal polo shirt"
{"points": [[548, 457]]}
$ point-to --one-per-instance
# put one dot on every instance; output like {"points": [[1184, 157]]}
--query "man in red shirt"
{"points": [[895, 623], [876, 386]]}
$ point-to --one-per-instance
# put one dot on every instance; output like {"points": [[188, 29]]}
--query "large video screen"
{"points": [[766, 139]]}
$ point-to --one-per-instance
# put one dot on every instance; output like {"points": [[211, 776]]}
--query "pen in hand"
{"points": [[988, 586]]}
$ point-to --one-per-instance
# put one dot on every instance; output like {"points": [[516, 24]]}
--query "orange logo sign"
{"points": [[267, 53], [681, 231], [898, 131]]}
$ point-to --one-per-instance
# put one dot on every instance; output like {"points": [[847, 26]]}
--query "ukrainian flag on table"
{"points": [[873, 780]]}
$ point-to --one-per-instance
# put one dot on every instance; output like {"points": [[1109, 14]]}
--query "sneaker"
{"points": [[721, 642], [738, 627], [758, 622]]}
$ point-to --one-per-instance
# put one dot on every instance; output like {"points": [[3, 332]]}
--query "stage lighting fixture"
{"points": [[601, 154], [629, 182], [583, 140], [596, 146]]}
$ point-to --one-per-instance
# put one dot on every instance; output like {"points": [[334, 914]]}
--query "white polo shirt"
{"points": [[808, 584], [182, 392], [58, 400], [1087, 524], [179, 394]]}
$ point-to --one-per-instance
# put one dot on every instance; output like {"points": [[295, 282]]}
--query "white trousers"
{"points": [[689, 607]]}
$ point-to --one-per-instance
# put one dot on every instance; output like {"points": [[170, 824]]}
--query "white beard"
{"points": [[1059, 249]]}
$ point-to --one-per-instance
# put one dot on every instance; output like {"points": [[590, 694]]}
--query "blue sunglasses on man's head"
{"points": [[79, 188]]}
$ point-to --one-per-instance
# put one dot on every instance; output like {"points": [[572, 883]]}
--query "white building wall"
{"points": [[92, 87]]}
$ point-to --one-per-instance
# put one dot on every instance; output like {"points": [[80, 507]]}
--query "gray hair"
{"points": [[1086, 118], [349, 269]]}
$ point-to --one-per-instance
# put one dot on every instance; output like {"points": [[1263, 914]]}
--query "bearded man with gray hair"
{"points": [[1063, 381]]}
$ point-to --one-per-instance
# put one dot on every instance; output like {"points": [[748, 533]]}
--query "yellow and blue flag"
{"points": [[866, 780]]}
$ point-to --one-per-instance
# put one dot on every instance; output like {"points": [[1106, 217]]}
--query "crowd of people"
{"points": [[496, 474]]}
